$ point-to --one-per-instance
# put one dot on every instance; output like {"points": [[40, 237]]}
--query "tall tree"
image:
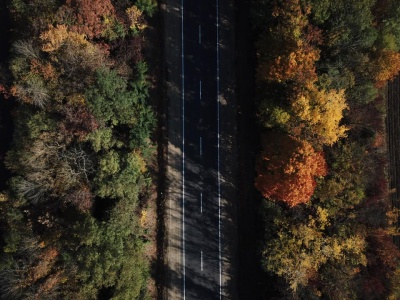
{"points": [[318, 113], [87, 16]]}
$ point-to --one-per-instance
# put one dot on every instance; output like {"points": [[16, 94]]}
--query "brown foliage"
{"points": [[380, 11], [44, 264], [386, 66], [387, 252], [383, 256], [369, 116], [81, 198], [49, 286], [46, 70], [78, 122], [128, 50], [287, 169], [87, 15]]}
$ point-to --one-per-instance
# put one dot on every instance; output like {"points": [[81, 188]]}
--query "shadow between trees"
{"points": [[6, 105]]}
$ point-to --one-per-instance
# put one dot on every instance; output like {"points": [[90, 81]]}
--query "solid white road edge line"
{"points": [[219, 174], [183, 156]]}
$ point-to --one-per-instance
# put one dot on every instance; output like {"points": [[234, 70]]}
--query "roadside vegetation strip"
{"points": [[73, 216], [321, 102], [393, 125]]}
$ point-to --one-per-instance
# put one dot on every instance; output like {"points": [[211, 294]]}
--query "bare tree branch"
{"points": [[25, 48], [80, 162]]}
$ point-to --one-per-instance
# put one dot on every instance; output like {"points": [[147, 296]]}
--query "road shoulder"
{"points": [[172, 77]]}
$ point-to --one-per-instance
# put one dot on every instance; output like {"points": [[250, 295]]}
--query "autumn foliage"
{"points": [[318, 113], [78, 177], [88, 16], [288, 168], [321, 75], [293, 55], [386, 66]]}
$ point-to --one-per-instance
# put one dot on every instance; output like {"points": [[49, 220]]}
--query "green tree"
{"points": [[147, 6], [303, 247], [117, 103], [120, 176], [344, 189]]}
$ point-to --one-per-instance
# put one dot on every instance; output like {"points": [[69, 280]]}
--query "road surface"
{"points": [[202, 159]]}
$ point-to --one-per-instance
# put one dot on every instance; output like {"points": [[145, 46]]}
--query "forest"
{"points": [[322, 171], [73, 212]]}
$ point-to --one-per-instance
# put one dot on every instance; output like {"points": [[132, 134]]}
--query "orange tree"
{"points": [[287, 169]]}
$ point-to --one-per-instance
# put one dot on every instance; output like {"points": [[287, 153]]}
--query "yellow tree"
{"points": [[57, 36], [135, 16], [318, 114], [302, 248], [286, 52], [77, 55]]}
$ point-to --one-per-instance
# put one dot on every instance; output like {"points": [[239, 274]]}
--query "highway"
{"points": [[199, 255]]}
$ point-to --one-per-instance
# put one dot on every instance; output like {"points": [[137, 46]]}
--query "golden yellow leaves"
{"points": [[135, 17], [143, 218], [303, 248], [320, 112], [57, 36]]}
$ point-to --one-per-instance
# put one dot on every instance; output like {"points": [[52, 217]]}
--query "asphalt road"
{"points": [[200, 198], [201, 234]]}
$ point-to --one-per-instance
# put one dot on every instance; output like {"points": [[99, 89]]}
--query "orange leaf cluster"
{"points": [[46, 70], [88, 15], [290, 53], [288, 168], [46, 261], [387, 66], [297, 65]]}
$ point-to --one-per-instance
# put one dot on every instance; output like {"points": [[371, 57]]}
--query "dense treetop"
{"points": [[323, 170], [70, 217]]}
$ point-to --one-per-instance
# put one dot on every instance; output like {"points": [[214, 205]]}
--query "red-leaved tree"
{"points": [[287, 169], [88, 16]]}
